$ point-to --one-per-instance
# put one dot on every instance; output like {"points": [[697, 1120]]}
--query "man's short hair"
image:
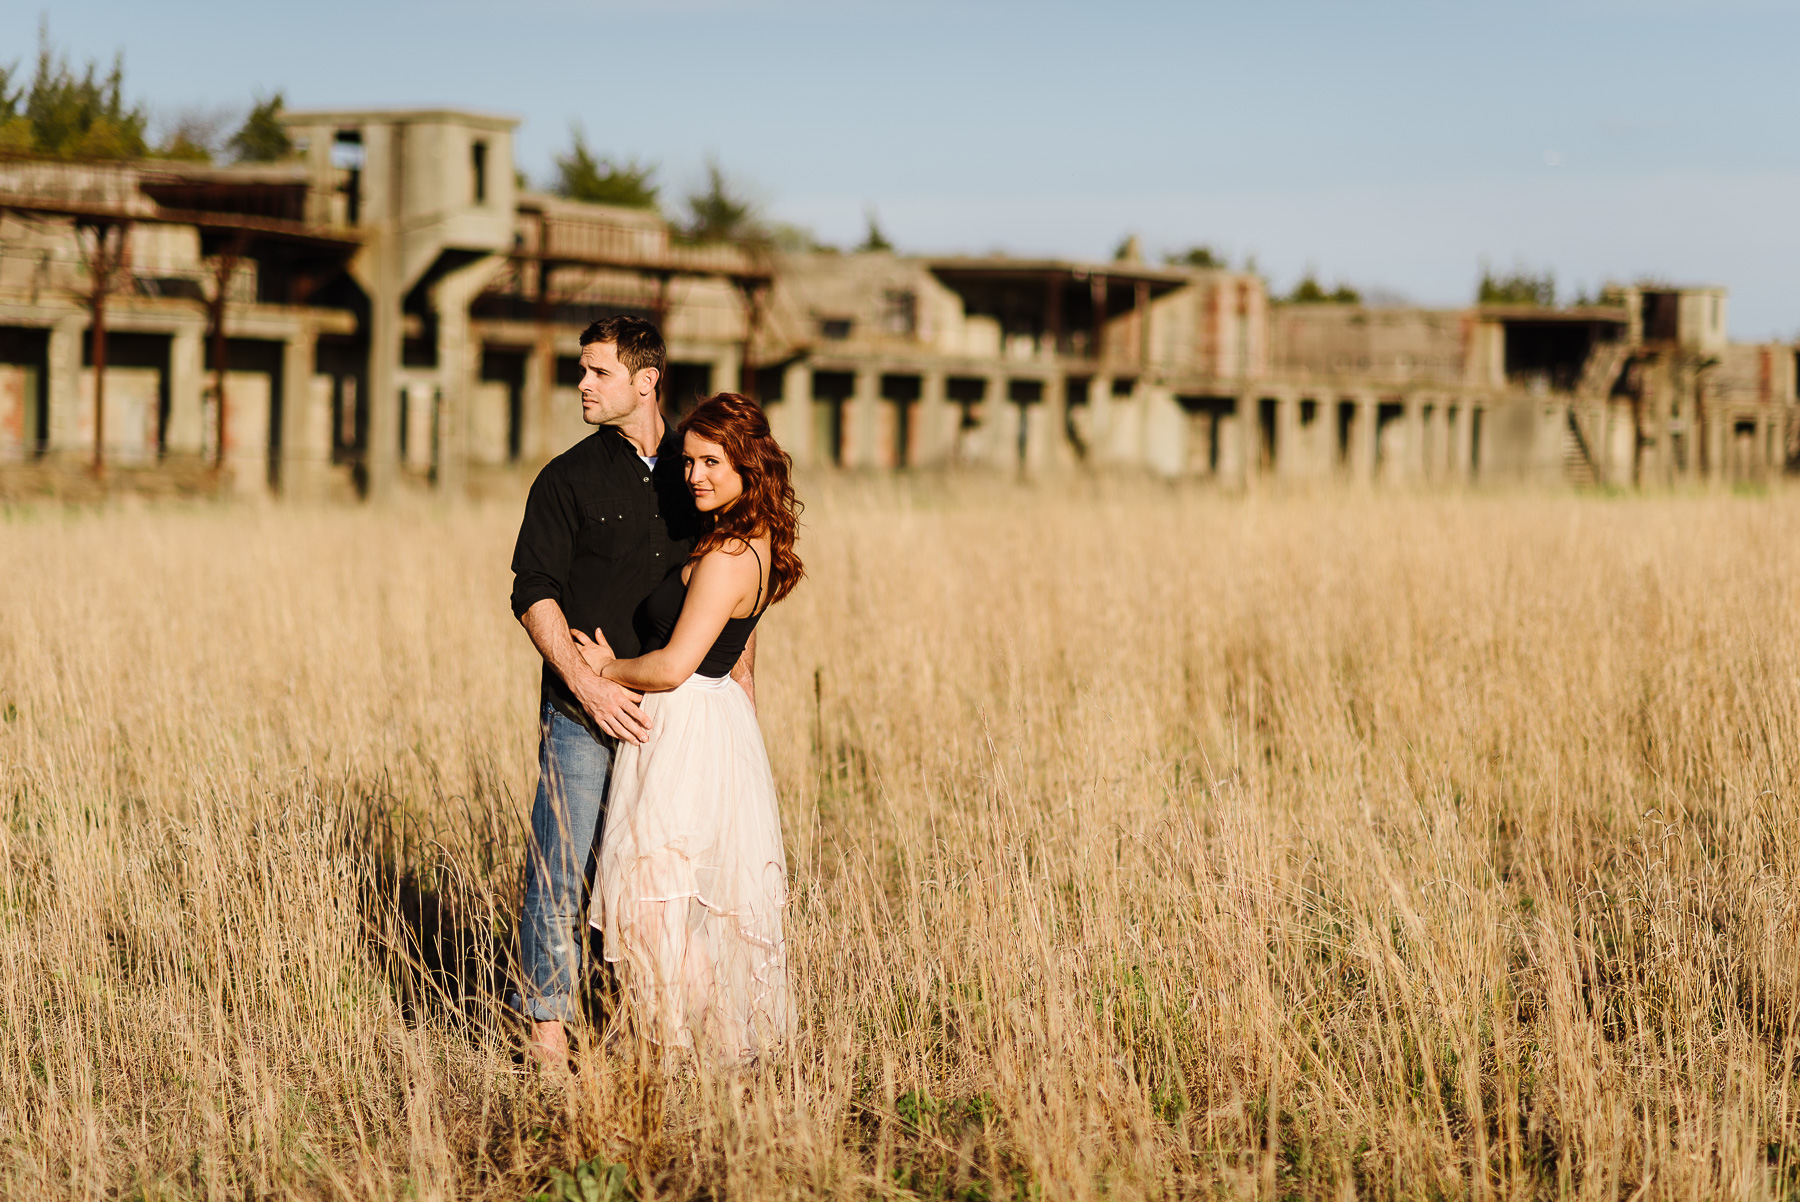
{"points": [[639, 343]]}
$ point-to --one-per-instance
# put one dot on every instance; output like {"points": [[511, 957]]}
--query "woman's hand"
{"points": [[596, 651]]}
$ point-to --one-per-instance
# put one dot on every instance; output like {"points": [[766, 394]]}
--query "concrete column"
{"points": [[1099, 419], [791, 420], [1125, 425], [1050, 432], [1031, 439], [1287, 437], [305, 431], [1165, 428], [185, 435], [64, 352], [1411, 463], [728, 373], [382, 452], [1362, 439], [936, 420], [459, 367], [862, 421], [534, 402]]}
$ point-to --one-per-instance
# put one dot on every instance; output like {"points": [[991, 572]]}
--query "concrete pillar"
{"points": [[936, 420], [1099, 418], [1125, 425], [382, 451], [534, 403], [305, 429], [1287, 464], [1362, 439], [862, 420], [1048, 437], [1411, 463], [64, 371], [728, 372], [1165, 430], [791, 419], [381, 271], [185, 433], [459, 367]]}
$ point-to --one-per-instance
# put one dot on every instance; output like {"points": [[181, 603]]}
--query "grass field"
{"points": [[1144, 843]]}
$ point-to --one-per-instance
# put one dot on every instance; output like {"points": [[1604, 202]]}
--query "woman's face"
{"points": [[715, 484]]}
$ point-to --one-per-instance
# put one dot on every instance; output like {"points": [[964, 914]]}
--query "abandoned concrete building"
{"points": [[390, 312]]}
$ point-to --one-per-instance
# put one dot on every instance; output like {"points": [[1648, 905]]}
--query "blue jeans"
{"points": [[573, 770]]}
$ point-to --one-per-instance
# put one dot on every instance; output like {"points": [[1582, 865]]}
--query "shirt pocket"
{"points": [[607, 524]]}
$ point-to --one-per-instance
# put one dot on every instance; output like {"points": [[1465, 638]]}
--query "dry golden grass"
{"points": [[1144, 844]]}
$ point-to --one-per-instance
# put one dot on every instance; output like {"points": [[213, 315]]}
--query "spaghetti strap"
{"points": [[754, 611]]}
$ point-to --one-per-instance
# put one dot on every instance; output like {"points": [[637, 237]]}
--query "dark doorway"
{"points": [[30, 349], [967, 393], [1266, 433], [1206, 415], [1024, 394], [686, 385], [262, 357], [832, 391], [505, 365], [346, 361], [903, 393]]}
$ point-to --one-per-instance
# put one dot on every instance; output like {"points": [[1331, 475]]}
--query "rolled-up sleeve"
{"points": [[546, 543]]}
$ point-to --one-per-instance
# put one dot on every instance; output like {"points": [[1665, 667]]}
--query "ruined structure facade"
{"points": [[390, 312]]}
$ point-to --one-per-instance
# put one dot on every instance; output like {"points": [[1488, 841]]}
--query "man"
{"points": [[605, 522]]}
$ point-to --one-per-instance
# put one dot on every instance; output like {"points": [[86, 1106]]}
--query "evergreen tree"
{"points": [[1521, 287], [1196, 256], [876, 239], [81, 116], [720, 214], [262, 138], [581, 175], [1310, 292]]}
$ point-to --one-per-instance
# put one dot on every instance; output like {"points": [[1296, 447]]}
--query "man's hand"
{"points": [[744, 671], [612, 706]]}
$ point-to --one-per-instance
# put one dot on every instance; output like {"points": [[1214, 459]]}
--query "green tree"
{"points": [[262, 138], [720, 213], [79, 116], [1310, 292], [1520, 287], [582, 175], [15, 130], [876, 239], [1196, 256]]}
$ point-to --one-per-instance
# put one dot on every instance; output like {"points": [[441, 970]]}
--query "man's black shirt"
{"points": [[601, 530]]}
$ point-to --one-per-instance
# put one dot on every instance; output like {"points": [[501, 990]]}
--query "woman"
{"points": [[692, 876]]}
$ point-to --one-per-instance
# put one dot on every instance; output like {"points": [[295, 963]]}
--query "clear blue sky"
{"points": [[1393, 146]]}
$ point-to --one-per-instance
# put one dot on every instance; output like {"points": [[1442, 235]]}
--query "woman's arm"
{"points": [[720, 582]]}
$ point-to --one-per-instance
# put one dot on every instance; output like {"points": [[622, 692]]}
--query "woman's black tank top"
{"points": [[662, 607]]}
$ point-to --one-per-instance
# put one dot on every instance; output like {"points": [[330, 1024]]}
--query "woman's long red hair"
{"points": [[768, 506]]}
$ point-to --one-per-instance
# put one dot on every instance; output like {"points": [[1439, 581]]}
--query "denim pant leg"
{"points": [[573, 770]]}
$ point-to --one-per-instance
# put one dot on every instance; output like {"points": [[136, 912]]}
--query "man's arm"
{"points": [[540, 574], [612, 706], [744, 671]]}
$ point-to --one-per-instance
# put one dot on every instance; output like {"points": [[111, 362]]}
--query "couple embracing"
{"points": [[645, 558]]}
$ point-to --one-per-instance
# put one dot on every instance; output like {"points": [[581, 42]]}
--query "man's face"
{"points": [[608, 391]]}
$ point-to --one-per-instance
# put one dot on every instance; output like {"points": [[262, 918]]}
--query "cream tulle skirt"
{"points": [[692, 876]]}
